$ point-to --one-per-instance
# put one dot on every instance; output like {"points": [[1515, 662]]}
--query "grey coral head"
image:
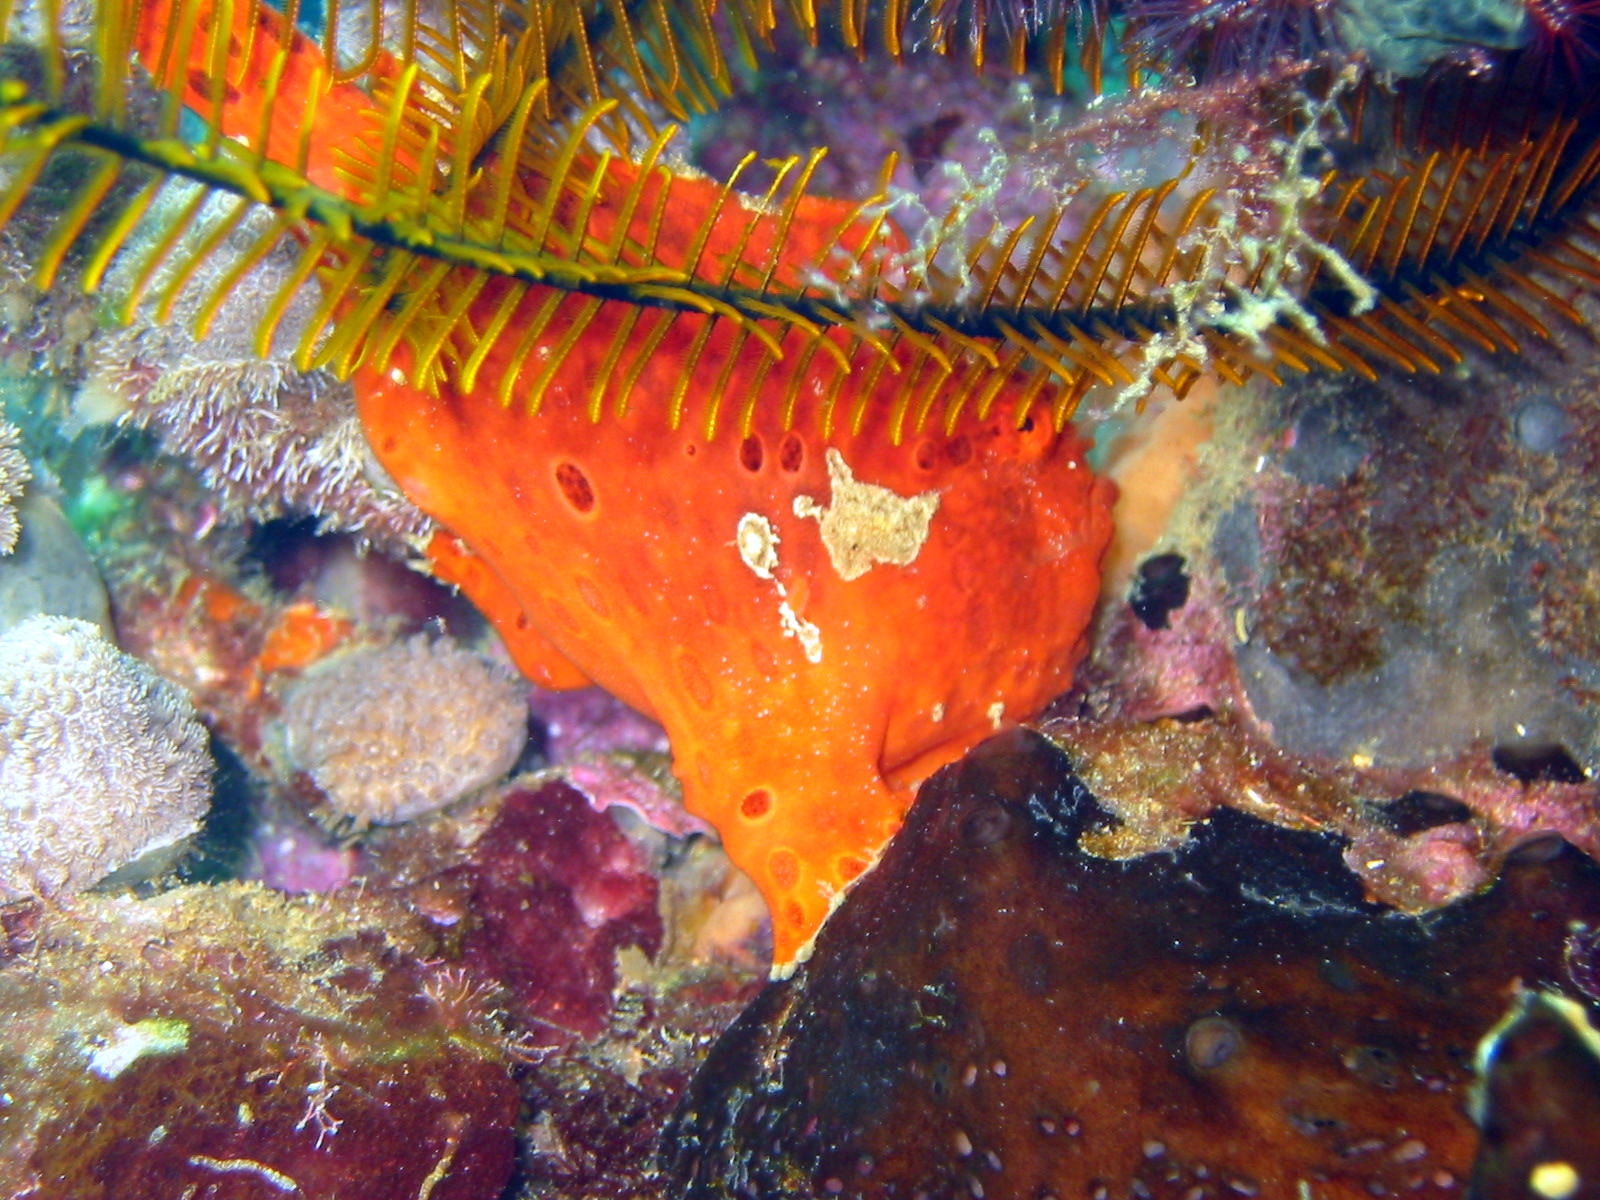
{"points": [[102, 762]]}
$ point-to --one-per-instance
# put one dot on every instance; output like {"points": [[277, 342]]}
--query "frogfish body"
{"points": [[820, 601], [819, 622]]}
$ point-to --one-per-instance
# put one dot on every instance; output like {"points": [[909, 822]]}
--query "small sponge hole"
{"points": [[575, 486], [850, 866], [784, 867], [752, 454], [793, 915], [756, 805], [791, 453]]}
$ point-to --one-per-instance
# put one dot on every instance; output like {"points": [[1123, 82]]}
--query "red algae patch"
{"points": [[557, 891], [226, 1041]]}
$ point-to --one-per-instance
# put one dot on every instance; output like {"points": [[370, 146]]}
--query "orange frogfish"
{"points": [[819, 612]]}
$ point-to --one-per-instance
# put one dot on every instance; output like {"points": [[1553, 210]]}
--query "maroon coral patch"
{"points": [[558, 890]]}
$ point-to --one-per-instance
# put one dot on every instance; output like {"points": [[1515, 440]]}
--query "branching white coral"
{"points": [[270, 440]]}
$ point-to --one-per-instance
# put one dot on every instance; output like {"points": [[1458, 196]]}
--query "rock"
{"points": [[993, 1013]]}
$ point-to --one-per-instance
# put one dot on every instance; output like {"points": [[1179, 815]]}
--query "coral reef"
{"points": [[381, 1040], [995, 1013], [862, 688], [602, 1107], [1407, 38], [353, 723], [1480, 634], [102, 761], [1355, 681], [1155, 243], [1398, 37], [619, 955]]}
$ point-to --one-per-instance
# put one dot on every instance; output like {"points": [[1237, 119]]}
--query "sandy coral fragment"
{"points": [[758, 545], [127, 1044], [866, 524]]}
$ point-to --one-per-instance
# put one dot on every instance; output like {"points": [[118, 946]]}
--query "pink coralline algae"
{"points": [[557, 890], [1361, 678], [613, 755], [290, 852], [102, 761]]}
